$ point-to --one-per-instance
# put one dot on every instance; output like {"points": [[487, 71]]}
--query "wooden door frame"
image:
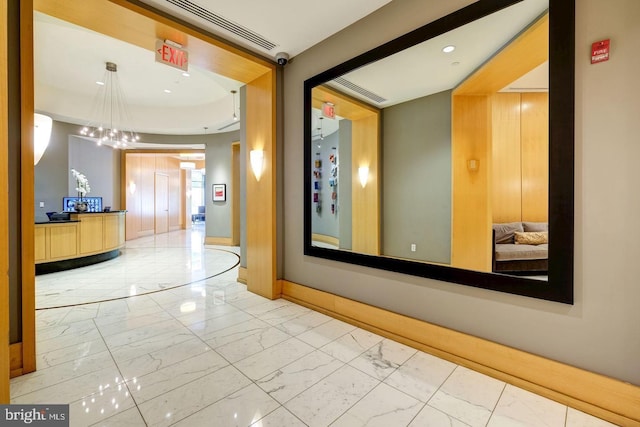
{"points": [[4, 208], [142, 26]]}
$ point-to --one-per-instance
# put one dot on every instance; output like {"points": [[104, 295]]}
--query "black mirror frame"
{"points": [[561, 158]]}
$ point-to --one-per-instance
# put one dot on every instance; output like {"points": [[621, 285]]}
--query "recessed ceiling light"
{"points": [[167, 91], [449, 49], [100, 83], [186, 74]]}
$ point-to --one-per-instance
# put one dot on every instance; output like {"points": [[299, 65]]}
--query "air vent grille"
{"points": [[359, 89], [223, 23]]}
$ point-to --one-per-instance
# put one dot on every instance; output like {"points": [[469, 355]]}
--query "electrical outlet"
{"points": [[413, 247], [42, 204]]}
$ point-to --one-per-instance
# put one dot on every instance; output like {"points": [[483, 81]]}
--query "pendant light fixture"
{"points": [[110, 113], [233, 95]]}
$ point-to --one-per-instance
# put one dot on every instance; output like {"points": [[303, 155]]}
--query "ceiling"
{"points": [[159, 98]]}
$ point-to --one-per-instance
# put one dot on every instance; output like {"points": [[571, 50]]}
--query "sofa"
{"points": [[520, 247]]}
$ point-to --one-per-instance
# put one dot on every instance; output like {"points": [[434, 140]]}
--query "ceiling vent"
{"points": [[360, 90], [223, 23]]}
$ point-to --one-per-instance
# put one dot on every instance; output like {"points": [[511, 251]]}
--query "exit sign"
{"points": [[171, 55], [329, 110]]}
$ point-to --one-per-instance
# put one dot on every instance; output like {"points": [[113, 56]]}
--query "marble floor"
{"points": [[210, 353]]}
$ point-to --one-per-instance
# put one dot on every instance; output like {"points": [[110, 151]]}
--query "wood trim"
{"points": [[261, 195], [4, 208], [222, 241], [601, 396], [322, 238], [529, 50], [142, 27], [27, 188], [15, 360], [242, 275]]}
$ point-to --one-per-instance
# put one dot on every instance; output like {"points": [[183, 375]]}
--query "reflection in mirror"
{"points": [[438, 153]]}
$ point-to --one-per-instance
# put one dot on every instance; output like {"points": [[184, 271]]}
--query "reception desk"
{"points": [[86, 238]]}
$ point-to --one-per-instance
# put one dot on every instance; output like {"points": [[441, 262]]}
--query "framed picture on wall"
{"points": [[219, 192]]}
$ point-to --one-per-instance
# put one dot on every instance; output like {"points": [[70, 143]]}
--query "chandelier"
{"points": [[111, 113]]}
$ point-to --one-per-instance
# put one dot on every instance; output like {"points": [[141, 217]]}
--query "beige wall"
{"points": [[599, 332]]}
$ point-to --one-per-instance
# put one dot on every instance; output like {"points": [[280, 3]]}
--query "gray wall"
{"points": [[416, 184], [218, 170], [345, 175], [600, 331], [101, 166], [52, 171]]}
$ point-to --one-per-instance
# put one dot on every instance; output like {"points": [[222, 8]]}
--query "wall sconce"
{"points": [[256, 157], [473, 165], [363, 174], [132, 187], [41, 135]]}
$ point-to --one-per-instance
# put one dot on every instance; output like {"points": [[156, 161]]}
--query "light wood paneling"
{"points": [[529, 50], [147, 194], [261, 195], [604, 397], [345, 106], [103, 232], [175, 193], [506, 173], [113, 231], [130, 163], [162, 203], [535, 157], [40, 249], [330, 240], [221, 241], [142, 28], [15, 360], [62, 241], [471, 224], [365, 201], [242, 275], [27, 185], [91, 232], [4, 209]]}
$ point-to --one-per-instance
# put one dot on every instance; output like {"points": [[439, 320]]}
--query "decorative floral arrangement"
{"points": [[82, 183]]}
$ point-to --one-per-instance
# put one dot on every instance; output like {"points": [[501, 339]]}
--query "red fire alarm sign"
{"points": [[600, 51]]}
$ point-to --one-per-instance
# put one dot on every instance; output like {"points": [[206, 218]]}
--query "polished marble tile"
{"points": [[190, 398], [128, 418], [577, 418], [520, 407], [273, 358], [161, 358], [351, 345], [242, 408], [468, 396], [326, 332], [57, 374], [202, 350], [289, 381], [383, 359], [263, 339], [324, 402], [421, 375], [101, 405], [383, 406], [431, 417], [146, 387], [279, 418]]}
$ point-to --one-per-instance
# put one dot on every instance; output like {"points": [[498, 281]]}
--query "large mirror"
{"points": [[448, 153]]}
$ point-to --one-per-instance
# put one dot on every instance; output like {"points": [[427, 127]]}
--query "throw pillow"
{"points": [[531, 238]]}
